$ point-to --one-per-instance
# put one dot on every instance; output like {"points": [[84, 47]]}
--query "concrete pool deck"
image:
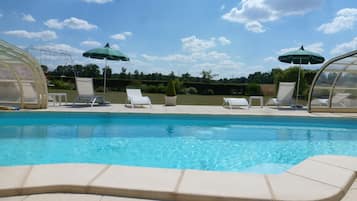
{"points": [[324, 178], [194, 109]]}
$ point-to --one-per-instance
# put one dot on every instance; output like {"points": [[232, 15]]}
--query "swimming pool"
{"points": [[258, 144]]}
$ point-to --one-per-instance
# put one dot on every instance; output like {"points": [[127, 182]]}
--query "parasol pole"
{"points": [[298, 85], [105, 75]]}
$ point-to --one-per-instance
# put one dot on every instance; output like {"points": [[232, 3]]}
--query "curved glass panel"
{"points": [[22, 82], [334, 88]]}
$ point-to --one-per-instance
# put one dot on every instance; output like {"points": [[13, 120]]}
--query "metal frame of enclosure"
{"points": [[22, 81], [334, 88]]}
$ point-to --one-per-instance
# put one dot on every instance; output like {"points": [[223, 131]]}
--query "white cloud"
{"points": [[197, 54], [1, 15], [42, 35], [28, 18], [194, 62], [60, 47], [223, 68], [91, 43], [196, 57], [121, 36], [194, 44], [209, 56], [54, 54], [251, 10], [316, 47], [345, 19], [270, 59], [115, 46], [98, 1], [345, 47], [224, 41], [171, 58], [253, 13], [54, 24], [72, 23], [254, 26]]}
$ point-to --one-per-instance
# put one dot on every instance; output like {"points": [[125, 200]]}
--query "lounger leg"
{"points": [[74, 102], [54, 100], [93, 101]]}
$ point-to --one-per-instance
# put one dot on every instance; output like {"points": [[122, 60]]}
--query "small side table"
{"points": [[57, 97], [260, 98]]}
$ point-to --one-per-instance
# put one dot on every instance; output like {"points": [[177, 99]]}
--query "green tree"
{"points": [[136, 74], [309, 76], [44, 69], [186, 76], [207, 75], [108, 72], [291, 75], [261, 78], [122, 74], [277, 74], [90, 70], [171, 89], [61, 70], [172, 75]]}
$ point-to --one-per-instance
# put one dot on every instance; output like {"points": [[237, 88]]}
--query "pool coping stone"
{"points": [[312, 179]]}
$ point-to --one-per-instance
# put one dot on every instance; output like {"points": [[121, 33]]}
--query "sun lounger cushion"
{"points": [[136, 98], [235, 102], [144, 100]]}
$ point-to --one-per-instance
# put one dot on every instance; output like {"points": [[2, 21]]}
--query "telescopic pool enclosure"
{"points": [[22, 81], [334, 88]]}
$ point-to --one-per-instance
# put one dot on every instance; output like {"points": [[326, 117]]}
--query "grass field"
{"points": [[120, 97]]}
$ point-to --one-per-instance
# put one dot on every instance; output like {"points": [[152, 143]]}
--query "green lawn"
{"points": [[120, 97]]}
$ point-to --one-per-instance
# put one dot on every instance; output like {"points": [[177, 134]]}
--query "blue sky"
{"points": [[231, 38]]}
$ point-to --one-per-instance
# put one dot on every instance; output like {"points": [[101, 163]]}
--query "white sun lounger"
{"points": [[337, 100], [86, 92], [136, 98], [231, 102], [285, 94]]}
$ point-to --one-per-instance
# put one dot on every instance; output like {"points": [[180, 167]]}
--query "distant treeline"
{"points": [[63, 77]]}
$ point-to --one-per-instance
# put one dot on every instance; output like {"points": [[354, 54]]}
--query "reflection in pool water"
{"points": [[225, 143]]}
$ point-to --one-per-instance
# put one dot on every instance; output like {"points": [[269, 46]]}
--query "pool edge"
{"points": [[324, 177]]}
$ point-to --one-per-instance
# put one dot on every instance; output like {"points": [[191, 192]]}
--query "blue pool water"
{"points": [[225, 143]]}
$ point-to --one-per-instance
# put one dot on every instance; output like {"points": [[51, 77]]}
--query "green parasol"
{"points": [[106, 53], [301, 56]]}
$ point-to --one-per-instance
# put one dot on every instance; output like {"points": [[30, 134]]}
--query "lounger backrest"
{"points": [[133, 93], [286, 91], [84, 86]]}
